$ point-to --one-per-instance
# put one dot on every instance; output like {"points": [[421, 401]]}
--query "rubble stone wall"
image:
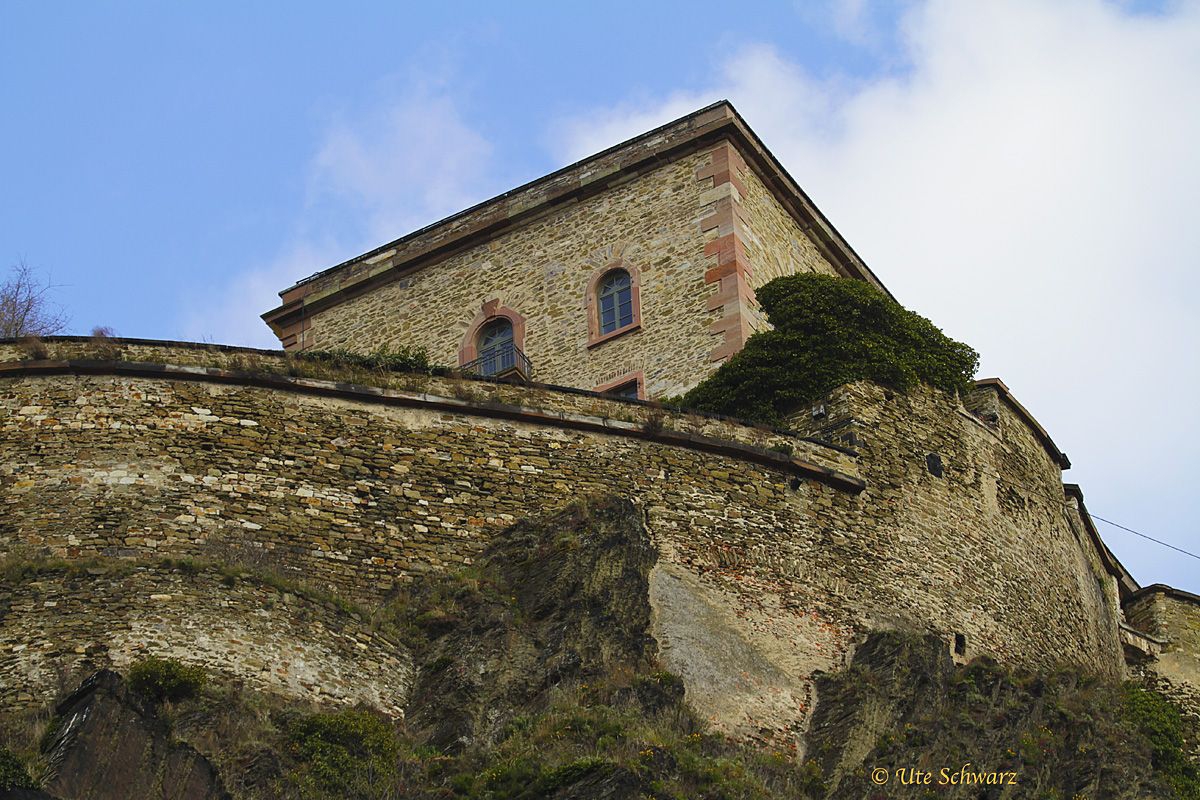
{"points": [[359, 492], [59, 624]]}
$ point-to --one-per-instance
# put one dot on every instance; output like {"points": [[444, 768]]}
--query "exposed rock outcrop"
{"points": [[110, 743]]}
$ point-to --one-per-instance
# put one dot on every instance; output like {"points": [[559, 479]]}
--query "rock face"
{"points": [[556, 599], [111, 744], [904, 708]]}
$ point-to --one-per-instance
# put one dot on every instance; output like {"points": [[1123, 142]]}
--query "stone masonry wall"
{"points": [[775, 244], [616, 411], [351, 492], [1173, 617], [61, 623], [999, 491], [674, 226], [541, 271]]}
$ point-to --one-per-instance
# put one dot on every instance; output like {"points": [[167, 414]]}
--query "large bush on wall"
{"points": [[830, 331]]}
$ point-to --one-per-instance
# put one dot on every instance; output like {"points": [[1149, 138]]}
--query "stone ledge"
{"points": [[370, 394]]}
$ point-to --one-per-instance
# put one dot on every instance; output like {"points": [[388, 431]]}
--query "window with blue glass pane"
{"points": [[616, 301], [496, 350]]}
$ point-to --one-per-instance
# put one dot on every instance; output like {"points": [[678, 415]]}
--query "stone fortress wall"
{"points": [[1171, 617], [933, 519], [698, 229], [66, 620]]}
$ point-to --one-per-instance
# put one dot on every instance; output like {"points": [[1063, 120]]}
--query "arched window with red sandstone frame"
{"points": [[613, 302], [494, 343]]}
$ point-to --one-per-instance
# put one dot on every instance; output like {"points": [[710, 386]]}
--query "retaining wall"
{"points": [[785, 559]]}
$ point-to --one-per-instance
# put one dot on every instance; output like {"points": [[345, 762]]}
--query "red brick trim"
{"points": [[593, 311], [628, 377], [731, 272], [468, 351]]}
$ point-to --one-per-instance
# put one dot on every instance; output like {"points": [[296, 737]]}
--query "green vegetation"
{"points": [[402, 359], [590, 736], [1160, 723], [1063, 734], [12, 772], [166, 679], [350, 754], [830, 331]]}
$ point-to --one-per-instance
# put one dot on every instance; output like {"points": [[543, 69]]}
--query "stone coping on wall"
{"points": [[1006, 395], [156, 348], [650, 430], [1126, 585], [1169, 591], [205, 354]]}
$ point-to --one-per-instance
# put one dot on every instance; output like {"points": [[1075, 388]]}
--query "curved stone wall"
{"points": [[60, 623], [786, 559]]}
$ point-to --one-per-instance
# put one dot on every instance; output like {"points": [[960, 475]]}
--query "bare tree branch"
{"points": [[26, 308]]}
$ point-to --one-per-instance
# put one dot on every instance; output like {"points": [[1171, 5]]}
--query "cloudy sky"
{"points": [[1024, 173]]}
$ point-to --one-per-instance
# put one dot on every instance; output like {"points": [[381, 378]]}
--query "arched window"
{"points": [[615, 299], [497, 353], [613, 302]]}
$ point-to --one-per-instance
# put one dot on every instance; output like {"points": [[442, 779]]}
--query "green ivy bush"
{"points": [[1162, 726], [829, 331], [166, 679]]}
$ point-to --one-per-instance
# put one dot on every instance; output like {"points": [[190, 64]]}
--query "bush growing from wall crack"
{"points": [[166, 679], [830, 331]]}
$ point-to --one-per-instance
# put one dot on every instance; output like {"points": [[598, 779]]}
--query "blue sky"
{"points": [[1024, 173]]}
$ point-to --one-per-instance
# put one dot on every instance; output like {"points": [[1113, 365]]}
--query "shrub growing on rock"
{"points": [[166, 679], [12, 773]]}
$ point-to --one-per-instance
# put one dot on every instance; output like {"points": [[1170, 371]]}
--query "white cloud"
{"points": [[406, 165], [379, 174], [236, 319], [1029, 183]]}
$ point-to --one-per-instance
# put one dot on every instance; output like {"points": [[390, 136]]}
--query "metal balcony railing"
{"points": [[504, 361]]}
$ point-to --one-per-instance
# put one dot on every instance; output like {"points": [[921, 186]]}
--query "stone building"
{"points": [[633, 270], [633, 273]]}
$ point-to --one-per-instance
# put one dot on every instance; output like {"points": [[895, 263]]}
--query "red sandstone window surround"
{"points": [[613, 299], [631, 385], [490, 312]]}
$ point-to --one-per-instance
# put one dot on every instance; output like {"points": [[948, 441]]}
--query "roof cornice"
{"points": [[581, 180]]}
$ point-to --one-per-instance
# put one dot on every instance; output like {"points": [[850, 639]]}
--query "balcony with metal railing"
{"points": [[505, 361]]}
